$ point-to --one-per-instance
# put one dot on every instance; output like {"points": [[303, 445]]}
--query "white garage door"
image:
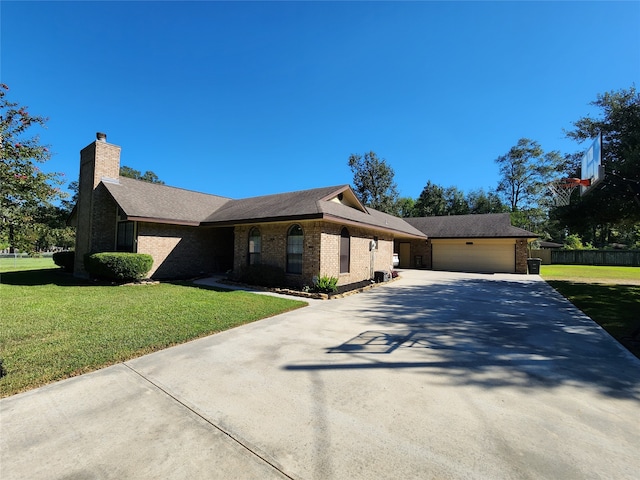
{"points": [[474, 257]]}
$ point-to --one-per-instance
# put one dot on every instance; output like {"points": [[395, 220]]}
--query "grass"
{"points": [[609, 295], [53, 326], [25, 263], [592, 273]]}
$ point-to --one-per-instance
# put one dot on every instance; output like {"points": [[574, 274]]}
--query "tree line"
{"points": [[34, 210], [608, 215]]}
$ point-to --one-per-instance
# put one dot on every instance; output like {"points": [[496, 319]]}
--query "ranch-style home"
{"points": [[308, 233]]}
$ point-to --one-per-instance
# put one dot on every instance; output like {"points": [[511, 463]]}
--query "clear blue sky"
{"points": [[241, 98]]}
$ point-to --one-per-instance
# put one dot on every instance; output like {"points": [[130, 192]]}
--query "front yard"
{"points": [[53, 326]]}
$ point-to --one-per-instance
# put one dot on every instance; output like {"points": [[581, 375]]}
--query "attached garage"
{"points": [[485, 243], [474, 255]]}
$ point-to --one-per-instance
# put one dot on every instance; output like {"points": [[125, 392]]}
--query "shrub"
{"points": [[65, 260], [118, 266], [263, 275], [326, 284]]}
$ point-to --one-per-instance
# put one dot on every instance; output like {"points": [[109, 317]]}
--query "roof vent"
{"points": [[102, 137]]}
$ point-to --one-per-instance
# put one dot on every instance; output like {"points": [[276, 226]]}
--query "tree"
{"points": [[615, 204], [480, 202], [373, 181], [147, 176], [525, 172], [456, 201], [432, 201], [405, 207], [25, 188]]}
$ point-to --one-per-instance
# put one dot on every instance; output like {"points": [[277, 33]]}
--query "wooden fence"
{"points": [[623, 258]]}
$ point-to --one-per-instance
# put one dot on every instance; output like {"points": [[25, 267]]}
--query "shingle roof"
{"points": [[491, 225], [151, 201], [314, 203]]}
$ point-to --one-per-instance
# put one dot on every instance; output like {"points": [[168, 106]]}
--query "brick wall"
{"points": [[96, 212], [185, 252], [321, 254], [521, 255]]}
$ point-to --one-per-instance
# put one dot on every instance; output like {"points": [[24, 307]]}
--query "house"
{"points": [[309, 233], [470, 243]]}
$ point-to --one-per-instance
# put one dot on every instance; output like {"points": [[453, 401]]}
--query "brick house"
{"points": [[323, 231]]}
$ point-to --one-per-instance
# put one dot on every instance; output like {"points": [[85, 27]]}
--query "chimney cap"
{"points": [[102, 137]]}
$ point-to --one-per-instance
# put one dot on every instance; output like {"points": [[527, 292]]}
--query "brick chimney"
{"points": [[96, 212]]}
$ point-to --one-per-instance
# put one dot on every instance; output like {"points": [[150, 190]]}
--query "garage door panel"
{"points": [[497, 258]]}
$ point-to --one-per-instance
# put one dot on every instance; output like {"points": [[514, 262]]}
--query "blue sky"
{"points": [[250, 98]]}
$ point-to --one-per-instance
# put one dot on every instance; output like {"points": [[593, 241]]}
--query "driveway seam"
{"points": [[217, 427]]}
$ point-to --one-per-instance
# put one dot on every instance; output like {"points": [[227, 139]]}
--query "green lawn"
{"points": [[609, 295], [54, 326], [25, 263], [591, 273]]}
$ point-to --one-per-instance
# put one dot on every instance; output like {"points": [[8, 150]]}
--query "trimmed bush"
{"points": [[65, 260], [118, 266], [263, 275]]}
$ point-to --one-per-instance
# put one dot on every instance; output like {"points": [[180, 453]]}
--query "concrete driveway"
{"points": [[437, 375]]}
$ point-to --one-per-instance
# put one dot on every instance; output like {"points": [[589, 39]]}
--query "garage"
{"points": [[486, 243], [474, 255]]}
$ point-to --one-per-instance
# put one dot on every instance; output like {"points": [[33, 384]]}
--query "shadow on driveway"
{"points": [[487, 333]]}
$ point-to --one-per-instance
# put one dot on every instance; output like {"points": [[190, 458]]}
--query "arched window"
{"points": [[345, 248], [294, 249], [255, 246]]}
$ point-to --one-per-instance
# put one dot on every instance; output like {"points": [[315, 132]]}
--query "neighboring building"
{"points": [[471, 243], [323, 231]]}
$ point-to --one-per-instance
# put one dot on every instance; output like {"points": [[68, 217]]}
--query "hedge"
{"points": [[118, 266], [65, 260]]}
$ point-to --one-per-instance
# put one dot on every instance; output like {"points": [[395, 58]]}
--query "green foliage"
{"points": [[147, 176], [615, 204], [326, 284], [573, 242], [268, 276], [65, 260], [435, 200], [373, 182], [525, 172], [118, 266], [25, 188]]}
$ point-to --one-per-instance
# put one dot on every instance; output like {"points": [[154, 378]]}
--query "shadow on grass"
{"points": [[46, 276], [616, 308]]}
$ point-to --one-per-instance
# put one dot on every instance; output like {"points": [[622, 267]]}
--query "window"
{"points": [[125, 241], [255, 246], [294, 249], [345, 247]]}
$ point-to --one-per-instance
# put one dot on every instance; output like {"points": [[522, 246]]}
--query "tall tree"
{"points": [[432, 201], [25, 188], [525, 172], [617, 200], [147, 176], [373, 181]]}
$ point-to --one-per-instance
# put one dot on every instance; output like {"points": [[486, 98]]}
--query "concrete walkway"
{"points": [[438, 375]]}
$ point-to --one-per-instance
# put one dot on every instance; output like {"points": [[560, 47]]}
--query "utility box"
{"points": [[533, 265], [380, 276]]}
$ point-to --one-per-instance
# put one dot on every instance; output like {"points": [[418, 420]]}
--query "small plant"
{"points": [[118, 266], [326, 284], [64, 260]]}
